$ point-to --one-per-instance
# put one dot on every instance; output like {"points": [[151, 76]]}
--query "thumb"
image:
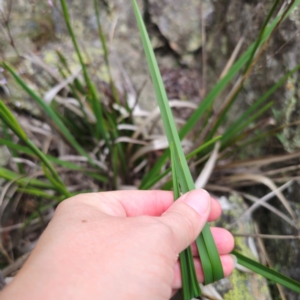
{"points": [[187, 216]]}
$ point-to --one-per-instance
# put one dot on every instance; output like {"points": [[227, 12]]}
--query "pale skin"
{"points": [[118, 245]]}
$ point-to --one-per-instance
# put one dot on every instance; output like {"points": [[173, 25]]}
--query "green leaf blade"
{"points": [[180, 166], [50, 112], [267, 272]]}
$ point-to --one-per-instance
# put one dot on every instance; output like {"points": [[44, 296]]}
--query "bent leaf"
{"points": [[267, 272], [211, 262]]}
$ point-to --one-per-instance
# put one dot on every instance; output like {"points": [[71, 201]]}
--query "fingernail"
{"points": [[234, 260], [199, 200]]}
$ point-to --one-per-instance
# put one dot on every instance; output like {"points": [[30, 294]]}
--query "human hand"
{"points": [[118, 245]]}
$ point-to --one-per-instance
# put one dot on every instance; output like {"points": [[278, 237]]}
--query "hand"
{"points": [[118, 245]]}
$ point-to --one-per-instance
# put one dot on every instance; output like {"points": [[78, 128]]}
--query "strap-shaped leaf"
{"points": [[13, 124], [267, 272], [155, 179], [214, 93], [50, 112], [212, 267], [191, 288], [11, 121], [93, 96]]}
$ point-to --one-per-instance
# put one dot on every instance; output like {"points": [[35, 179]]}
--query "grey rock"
{"points": [[179, 22], [240, 285]]}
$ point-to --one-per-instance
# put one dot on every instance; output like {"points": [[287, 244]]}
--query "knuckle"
{"points": [[166, 231], [63, 205], [162, 230], [69, 203], [158, 226]]}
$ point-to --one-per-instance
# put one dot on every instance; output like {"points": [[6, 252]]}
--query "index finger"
{"points": [[150, 203]]}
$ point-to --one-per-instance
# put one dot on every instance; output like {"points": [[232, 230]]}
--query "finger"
{"points": [[227, 261], [216, 210], [128, 203], [223, 239], [137, 203], [187, 216], [152, 203]]}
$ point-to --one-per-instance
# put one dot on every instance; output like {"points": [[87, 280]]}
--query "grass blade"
{"points": [[40, 194], [12, 176], [13, 152], [12, 123], [105, 51], [267, 272], [93, 96], [238, 132], [261, 34], [190, 285], [55, 160], [50, 112], [184, 176], [155, 179], [77, 84], [219, 87], [253, 58], [213, 94], [237, 126]]}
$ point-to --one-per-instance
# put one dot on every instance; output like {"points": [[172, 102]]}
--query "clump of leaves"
{"points": [[104, 149]]}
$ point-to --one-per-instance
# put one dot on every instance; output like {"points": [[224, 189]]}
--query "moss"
{"points": [[241, 285], [240, 290]]}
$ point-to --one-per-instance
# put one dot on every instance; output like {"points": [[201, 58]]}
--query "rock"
{"points": [[180, 24], [241, 285]]}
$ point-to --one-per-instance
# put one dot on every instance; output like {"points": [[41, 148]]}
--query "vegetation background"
{"points": [[195, 44]]}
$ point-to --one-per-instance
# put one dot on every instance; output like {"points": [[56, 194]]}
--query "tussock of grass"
{"points": [[97, 138]]}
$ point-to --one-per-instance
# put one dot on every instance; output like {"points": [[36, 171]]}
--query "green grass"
{"points": [[183, 181], [208, 252], [103, 162]]}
